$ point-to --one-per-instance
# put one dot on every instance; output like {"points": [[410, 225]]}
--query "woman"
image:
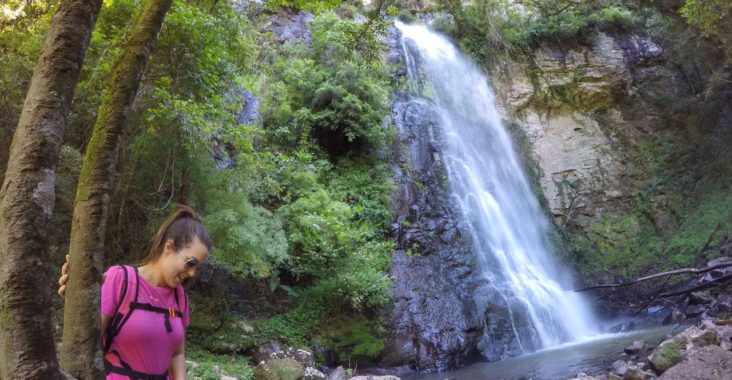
{"points": [[145, 309]]}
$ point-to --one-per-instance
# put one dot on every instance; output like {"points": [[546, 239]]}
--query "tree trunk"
{"points": [[80, 354], [27, 196]]}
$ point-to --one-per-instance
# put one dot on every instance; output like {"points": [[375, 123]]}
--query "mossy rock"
{"points": [[666, 356], [708, 338], [234, 336], [279, 369]]}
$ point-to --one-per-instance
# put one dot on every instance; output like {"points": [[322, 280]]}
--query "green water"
{"points": [[560, 362]]}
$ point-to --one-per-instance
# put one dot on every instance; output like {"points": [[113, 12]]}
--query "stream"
{"points": [[560, 362]]}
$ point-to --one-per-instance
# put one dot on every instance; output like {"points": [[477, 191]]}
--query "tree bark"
{"points": [[27, 196], [81, 352]]}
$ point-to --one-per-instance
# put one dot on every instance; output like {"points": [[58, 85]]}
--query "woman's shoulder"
{"points": [[119, 272]]}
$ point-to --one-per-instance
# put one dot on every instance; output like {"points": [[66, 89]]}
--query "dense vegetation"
{"points": [[298, 202]]}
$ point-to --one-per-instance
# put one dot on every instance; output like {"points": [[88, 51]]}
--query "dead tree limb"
{"points": [[655, 296], [669, 273], [705, 285]]}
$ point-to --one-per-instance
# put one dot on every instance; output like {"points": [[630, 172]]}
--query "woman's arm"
{"points": [[178, 362]]}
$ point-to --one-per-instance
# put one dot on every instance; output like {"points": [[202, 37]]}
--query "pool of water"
{"points": [[559, 362]]}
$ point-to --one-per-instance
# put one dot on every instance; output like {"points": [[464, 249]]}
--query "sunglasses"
{"points": [[191, 262]]}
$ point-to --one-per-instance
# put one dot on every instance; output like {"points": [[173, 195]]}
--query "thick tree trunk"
{"points": [[80, 354], [27, 196]]}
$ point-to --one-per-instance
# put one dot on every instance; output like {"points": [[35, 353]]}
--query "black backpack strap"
{"points": [[126, 370], [183, 309], [124, 286], [121, 318], [155, 309]]}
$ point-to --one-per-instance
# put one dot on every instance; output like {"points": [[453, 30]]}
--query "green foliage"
{"points": [[296, 327], [112, 30], [714, 209], [315, 224], [210, 366], [630, 245], [316, 169], [486, 28], [250, 240], [612, 247], [356, 338], [712, 16], [338, 255], [366, 185], [186, 103], [23, 27], [301, 201], [571, 24], [307, 5], [331, 93]]}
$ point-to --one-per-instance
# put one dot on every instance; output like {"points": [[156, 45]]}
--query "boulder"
{"points": [[707, 338], [279, 369], [667, 355], [635, 348], [313, 374], [584, 376], [721, 308], [272, 350], [700, 298], [619, 368], [685, 345], [338, 374], [263, 352], [703, 363], [694, 310], [636, 373], [676, 316]]}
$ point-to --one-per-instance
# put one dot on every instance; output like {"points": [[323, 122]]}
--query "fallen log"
{"points": [[705, 285], [657, 275]]}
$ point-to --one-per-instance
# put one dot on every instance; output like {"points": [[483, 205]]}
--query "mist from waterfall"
{"points": [[508, 230]]}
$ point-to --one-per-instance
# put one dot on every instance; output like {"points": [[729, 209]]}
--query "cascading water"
{"points": [[503, 217]]}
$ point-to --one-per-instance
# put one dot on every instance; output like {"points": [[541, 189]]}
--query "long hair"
{"points": [[182, 226]]}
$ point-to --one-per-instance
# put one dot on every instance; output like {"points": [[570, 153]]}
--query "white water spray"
{"points": [[508, 230]]}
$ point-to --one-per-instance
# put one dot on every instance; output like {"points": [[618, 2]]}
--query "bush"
{"points": [[331, 94]]}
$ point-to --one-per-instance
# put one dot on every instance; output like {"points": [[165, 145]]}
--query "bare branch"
{"points": [[705, 285], [669, 273]]}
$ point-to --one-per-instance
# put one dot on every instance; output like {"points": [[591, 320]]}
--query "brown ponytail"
{"points": [[182, 226]]}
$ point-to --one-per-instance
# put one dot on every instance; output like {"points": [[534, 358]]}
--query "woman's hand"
{"points": [[64, 278]]}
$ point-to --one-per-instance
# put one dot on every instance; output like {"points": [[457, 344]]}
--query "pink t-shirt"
{"points": [[143, 342]]}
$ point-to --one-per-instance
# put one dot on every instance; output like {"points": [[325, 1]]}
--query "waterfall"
{"points": [[487, 183]]}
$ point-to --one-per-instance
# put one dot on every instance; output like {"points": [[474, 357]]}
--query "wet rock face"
{"points": [[289, 27], [249, 110], [433, 323], [587, 111], [573, 117]]}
